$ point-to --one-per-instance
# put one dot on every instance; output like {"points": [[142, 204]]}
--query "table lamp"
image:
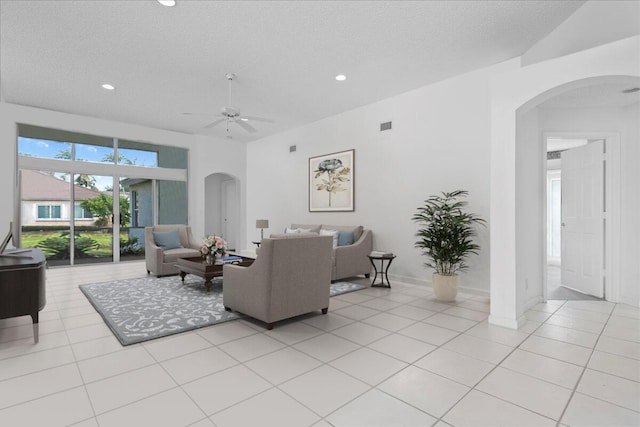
{"points": [[262, 224]]}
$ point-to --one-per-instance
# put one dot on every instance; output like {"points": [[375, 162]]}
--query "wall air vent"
{"points": [[385, 126], [292, 148]]}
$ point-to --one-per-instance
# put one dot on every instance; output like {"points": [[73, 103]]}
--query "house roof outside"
{"points": [[38, 185]]}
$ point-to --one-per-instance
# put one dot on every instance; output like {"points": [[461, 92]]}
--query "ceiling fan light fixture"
{"points": [[108, 86], [167, 3], [244, 119], [341, 77]]}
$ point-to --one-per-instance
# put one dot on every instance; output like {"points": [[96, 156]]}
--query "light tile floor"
{"points": [[379, 358]]}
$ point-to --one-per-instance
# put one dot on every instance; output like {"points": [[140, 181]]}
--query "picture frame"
{"points": [[332, 182]]}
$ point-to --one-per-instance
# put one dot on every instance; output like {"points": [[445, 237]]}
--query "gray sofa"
{"points": [[347, 260], [290, 277], [161, 261]]}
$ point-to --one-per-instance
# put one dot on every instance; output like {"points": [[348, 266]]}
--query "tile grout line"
{"points": [[584, 369], [322, 331], [489, 373]]}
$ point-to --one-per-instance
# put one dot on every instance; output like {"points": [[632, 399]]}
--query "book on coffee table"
{"points": [[232, 259]]}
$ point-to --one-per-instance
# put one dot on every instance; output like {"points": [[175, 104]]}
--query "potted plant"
{"points": [[446, 239]]}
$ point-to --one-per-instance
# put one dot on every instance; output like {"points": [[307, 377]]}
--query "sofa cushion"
{"points": [[172, 255], [345, 238], [332, 233], [356, 230], [167, 239], [315, 228], [292, 235]]}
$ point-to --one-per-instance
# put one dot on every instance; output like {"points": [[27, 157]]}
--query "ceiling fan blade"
{"points": [[245, 126], [212, 124], [197, 114], [258, 119]]}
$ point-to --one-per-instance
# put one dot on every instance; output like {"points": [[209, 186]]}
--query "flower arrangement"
{"points": [[214, 246]]}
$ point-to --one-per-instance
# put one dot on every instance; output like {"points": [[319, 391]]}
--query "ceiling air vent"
{"points": [[385, 126], [292, 148]]}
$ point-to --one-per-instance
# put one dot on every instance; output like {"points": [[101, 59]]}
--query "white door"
{"points": [[583, 218], [229, 210]]}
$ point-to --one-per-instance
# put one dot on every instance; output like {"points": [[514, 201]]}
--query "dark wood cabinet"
{"points": [[22, 286]]}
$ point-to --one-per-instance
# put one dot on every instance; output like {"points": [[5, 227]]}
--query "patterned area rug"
{"points": [[143, 309]]}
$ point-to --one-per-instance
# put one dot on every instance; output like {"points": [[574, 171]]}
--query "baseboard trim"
{"points": [[427, 283], [507, 322]]}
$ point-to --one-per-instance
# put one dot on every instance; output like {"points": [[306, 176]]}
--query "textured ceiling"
{"points": [[167, 61]]}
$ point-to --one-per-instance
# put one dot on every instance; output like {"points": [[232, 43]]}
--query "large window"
{"points": [[87, 198]]}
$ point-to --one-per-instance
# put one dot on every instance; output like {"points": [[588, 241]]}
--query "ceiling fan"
{"points": [[231, 114]]}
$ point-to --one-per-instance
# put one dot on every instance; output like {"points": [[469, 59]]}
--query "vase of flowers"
{"points": [[213, 247]]}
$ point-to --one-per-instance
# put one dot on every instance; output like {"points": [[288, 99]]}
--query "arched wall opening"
{"points": [[513, 94], [593, 109], [222, 208]]}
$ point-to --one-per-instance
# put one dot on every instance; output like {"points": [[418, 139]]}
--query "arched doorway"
{"points": [[599, 110], [515, 232], [222, 208]]}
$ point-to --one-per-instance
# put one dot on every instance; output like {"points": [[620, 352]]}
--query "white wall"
{"points": [[207, 155], [439, 142], [529, 208], [625, 122], [510, 91]]}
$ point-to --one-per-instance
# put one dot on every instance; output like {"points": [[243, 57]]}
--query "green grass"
{"points": [[105, 246]]}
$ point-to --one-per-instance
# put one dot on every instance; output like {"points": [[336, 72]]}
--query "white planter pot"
{"points": [[445, 287]]}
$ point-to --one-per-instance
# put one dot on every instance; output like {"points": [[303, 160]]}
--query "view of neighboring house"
{"points": [[141, 199], [46, 201]]}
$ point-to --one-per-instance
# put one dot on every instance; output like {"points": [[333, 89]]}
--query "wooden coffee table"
{"points": [[199, 267]]}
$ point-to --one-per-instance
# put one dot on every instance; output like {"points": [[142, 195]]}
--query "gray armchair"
{"points": [[161, 261], [292, 276]]}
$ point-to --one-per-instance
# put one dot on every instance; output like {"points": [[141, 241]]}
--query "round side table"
{"points": [[383, 271]]}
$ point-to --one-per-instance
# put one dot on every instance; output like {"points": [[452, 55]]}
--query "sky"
{"points": [[90, 153]]}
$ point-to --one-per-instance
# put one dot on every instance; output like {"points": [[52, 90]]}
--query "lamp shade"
{"points": [[262, 223]]}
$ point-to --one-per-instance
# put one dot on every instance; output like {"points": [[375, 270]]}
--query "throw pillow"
{"points": [[297, 230], [333, 233], [167, 239], [345, 238]]}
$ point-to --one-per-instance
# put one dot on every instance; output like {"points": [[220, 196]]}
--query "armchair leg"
{"points": [[325, 310], [269, 326], [367, 275], [227, 308], [148, 272]]}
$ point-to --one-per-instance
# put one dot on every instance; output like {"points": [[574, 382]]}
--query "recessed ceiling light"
{"points": [[107, 86], [341, 77], [168, 3]]}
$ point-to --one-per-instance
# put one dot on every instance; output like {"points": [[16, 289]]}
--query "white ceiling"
{"points": [[167, 61]]}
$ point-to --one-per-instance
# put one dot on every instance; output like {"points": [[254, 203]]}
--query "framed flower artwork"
{"points": [[331, 182]]}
